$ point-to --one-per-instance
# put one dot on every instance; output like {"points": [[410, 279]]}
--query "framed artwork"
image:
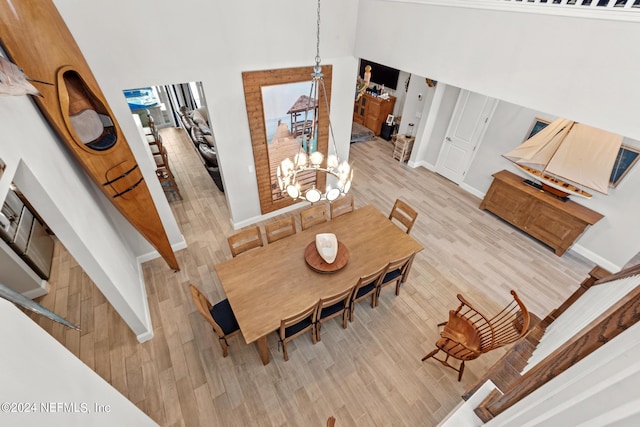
{"points": [[390, 119], [537, 126], [626, 159], [278, 113]]}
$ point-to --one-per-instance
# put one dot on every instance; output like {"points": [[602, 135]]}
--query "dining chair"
{"points": [[151, 129], [396, 273], [164, 174], [297, 324], [280, 229], [313, 216], [245, 240], [331, 307], [468, 333], [155, 143], [220, 316], [367, 285], [161, 157], [341, 206], [403, 213]]}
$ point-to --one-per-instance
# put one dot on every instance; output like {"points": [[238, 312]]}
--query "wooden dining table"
{"points": [[273, 282]]}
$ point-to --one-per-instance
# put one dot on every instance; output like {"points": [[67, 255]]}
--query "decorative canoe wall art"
{"points": [[34, 35]]}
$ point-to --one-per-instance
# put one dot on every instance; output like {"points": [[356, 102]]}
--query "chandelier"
{"points": [[289, 170]]}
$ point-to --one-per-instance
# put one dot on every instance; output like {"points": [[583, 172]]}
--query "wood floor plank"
{"points": [[367, 375]]}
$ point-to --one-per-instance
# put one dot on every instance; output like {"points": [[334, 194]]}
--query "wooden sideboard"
{"points": [[371, 111], [543, 216]]}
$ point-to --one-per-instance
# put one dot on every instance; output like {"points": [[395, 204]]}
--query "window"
{"points": [[626, 159]]}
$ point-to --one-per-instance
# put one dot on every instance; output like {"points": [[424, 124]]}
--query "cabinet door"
{"points": [[553, 226], [507, 203], [359, 110], [372, 119]]}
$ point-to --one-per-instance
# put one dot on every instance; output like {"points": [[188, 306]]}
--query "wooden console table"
{"points": [[539, 214]]}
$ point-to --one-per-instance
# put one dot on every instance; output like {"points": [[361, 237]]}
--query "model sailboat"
{"points": [[565, 150]]}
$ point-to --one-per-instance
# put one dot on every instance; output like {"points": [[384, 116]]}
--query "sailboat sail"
{"points": [[564, 149], [586, 156], [536, 151]]}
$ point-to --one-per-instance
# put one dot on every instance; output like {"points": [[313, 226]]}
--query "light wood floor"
{"points": [[367, 375]]}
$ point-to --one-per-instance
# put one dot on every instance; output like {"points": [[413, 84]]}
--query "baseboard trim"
{"points": [[146, 336], [258, 218], [474, 191], [38, 292], [592, 256], [155, 254], [424, 164]]}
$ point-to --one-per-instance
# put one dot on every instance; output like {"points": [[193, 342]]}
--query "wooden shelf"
{"points": [[550, 220]]}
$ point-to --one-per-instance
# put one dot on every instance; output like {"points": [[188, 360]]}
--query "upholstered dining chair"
{"points": [[297, 324], [366, 286], [403, 213], [331, 307], [341, 206], [396, 274], [280, 229], [313, 216], [468, 333], [220, 316], [245, 240]]}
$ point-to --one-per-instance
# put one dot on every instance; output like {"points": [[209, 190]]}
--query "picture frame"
{"points": [[390, 119], [537, 126], [253, 82], [625, 160]]}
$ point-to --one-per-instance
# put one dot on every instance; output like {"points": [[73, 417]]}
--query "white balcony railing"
{"points": [[617, 4], [619, 10]]}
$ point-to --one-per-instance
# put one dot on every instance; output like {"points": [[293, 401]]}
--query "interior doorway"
{"points": [[471, 116], [177, 106]]}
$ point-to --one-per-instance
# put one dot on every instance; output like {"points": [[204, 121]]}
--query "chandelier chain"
{"points": [[308, 157], [318, 36]]}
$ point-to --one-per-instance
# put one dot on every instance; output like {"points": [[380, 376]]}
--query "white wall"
{"points": [[490, 52], [418, 101], [80, 216], [579, 68], [38, 370], [135, 44]]}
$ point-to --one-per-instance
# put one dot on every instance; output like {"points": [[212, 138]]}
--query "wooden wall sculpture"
{"points": [[36, 38]]}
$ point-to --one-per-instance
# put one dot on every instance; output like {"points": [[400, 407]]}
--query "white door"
{"points": [[468, 124]]}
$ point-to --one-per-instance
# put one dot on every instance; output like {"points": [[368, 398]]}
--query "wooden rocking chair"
{"points": [[468, 333]]}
